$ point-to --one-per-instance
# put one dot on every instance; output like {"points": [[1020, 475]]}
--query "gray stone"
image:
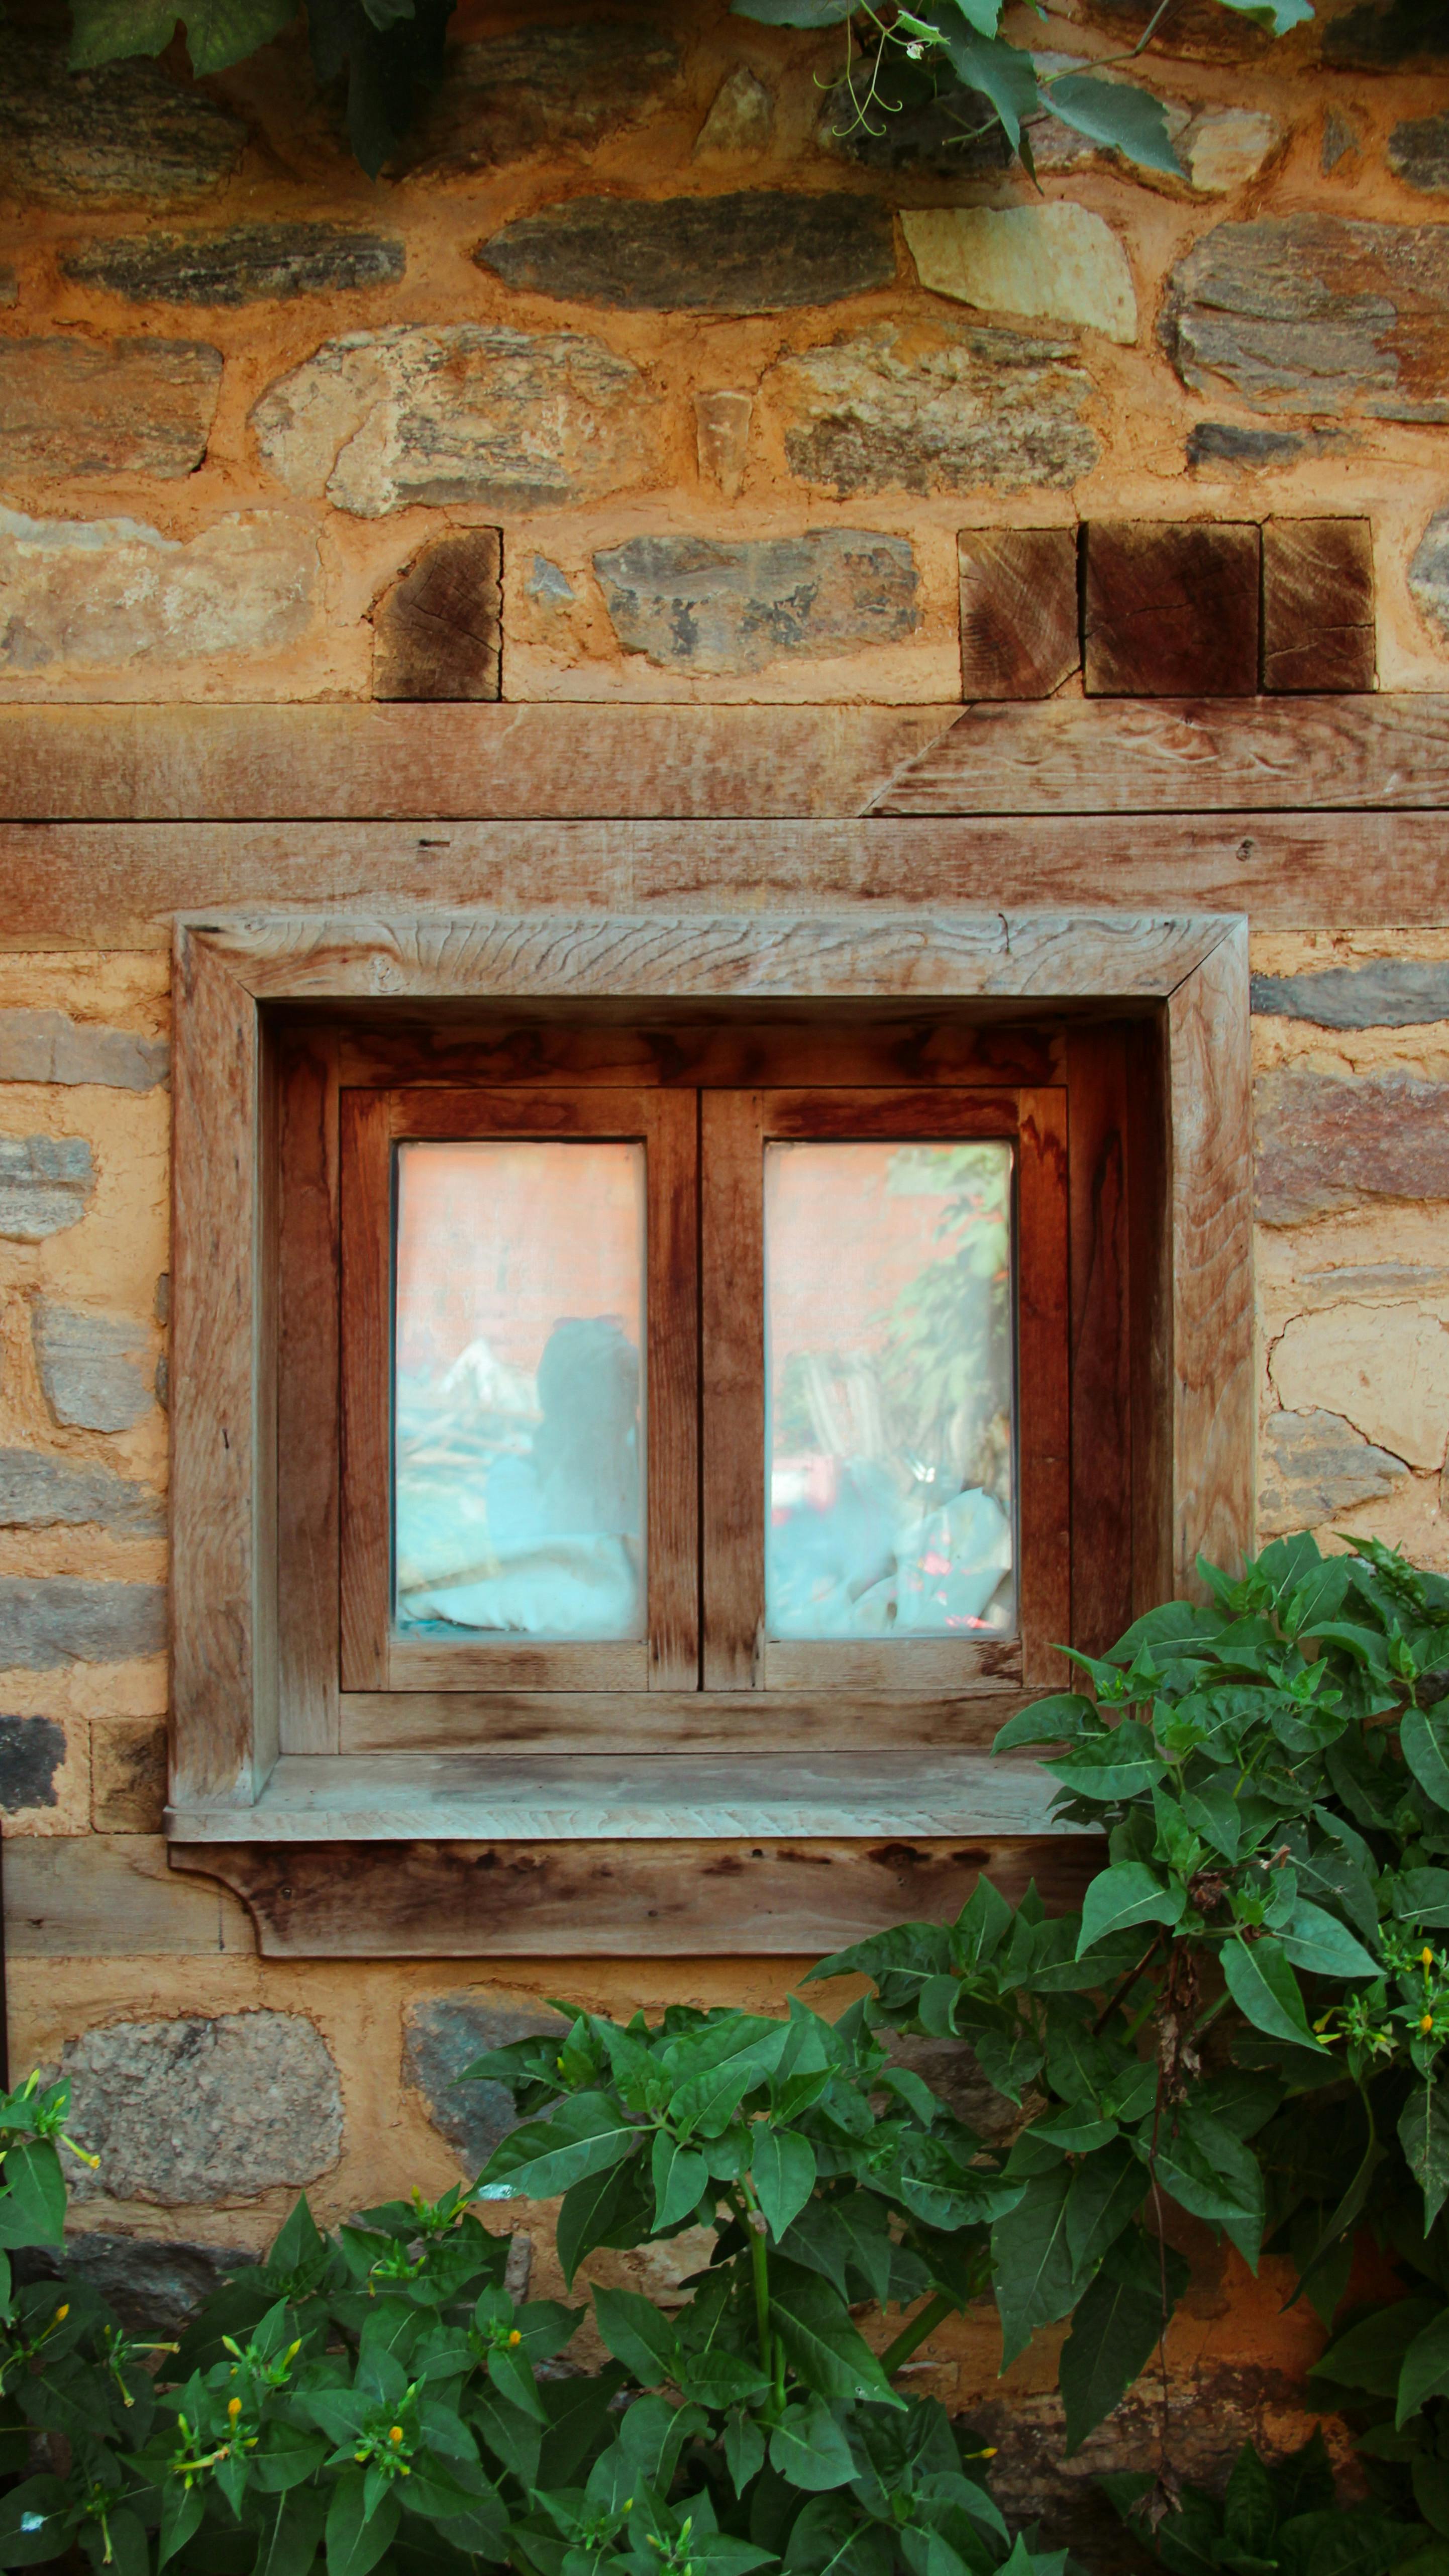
{"points": [[1339, 139], [47, 1621], [539, 88], [941, 408], [154, 2285], [9, 284], [44, 1184], [689, 603], [46, 1046], [722, 437], [32, 1750], [550, 583], [126, 133], [251, 264], [455, 412], [1311, 313], [1221, 442], [441, 2037], [931, 134], [1328, 1142], [1316, 1464], [72, 406], [1378, 38], [1419, 153], [1429, 572], [37, 1492], [200, 2111], [740, 120], [757, 252], [1387, 993], [87, 594], [95, 1369]]}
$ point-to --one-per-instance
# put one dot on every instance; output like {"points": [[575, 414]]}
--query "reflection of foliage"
{"points": [[946, 1361]]}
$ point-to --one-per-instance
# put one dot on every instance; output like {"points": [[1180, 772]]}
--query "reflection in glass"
{"points": [[889, 1390], [518, 1398]]}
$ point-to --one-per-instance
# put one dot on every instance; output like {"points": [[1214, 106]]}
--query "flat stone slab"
{"points": [[45, 1182], [939, 408], [72, 406], [250, 264], [1385, 993], [49, 1621], [691, 604], [757, 251], [456, 412], [200, 2111], [155, 2285], [95, 1370], [49, 1046], [32, 1751], [1429, 573], [125, 134], [41, 1492], [441, 2037], [1057, 262], [97, 594], [538, 89], [1311, 313], [1325, 1141], [1384, 1367]]}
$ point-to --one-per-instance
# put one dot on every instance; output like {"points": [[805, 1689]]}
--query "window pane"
{"points": [[519, 1433], [889, 1367]]}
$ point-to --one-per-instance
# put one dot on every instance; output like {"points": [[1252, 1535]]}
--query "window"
{"points": [[633, 1448]]}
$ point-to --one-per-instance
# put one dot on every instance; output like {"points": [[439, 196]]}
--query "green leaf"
{"points": [[609, 2208], [1424, 1742], [1119, 1764], [1424, 2137], [815, 2327], [104, 31], [586, 2135], [46, 2504], [1277, 16], [1106, 2190], [1426, 2369], [1421, 1896], [1371, 2355], [1002, 73], [355, 2539], [782, 2170], [1265, 1990], [809, 2449], [795, 13], [32, 2202], [1048, 1721], [1130, 1893], [1318, 1942], [1034, 2277], [1211, 2173], [744, 2448], [1250, 2515], [1115, 2330], [637, 2334], [181, 2512], [291, 2532], [1116, 115], [680, 2174], [222, 32]]}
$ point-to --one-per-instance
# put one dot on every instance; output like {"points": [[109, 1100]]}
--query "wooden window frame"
{"points": [[340, 1853]]}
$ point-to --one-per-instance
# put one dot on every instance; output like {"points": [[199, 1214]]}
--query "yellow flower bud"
{"points": [[62, 2313], [514, 2340], [1426, 1956], [233, 2407], [1427, 2024], [395, 2432]]}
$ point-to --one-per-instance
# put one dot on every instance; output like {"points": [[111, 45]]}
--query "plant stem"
{"points": [[923, 2323]]}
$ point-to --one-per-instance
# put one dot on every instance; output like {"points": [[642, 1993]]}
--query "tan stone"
{"points": [[722, 433], [1223, 148], [740, 120], [128, 1775], [74, 406], [1058, 261], [1384, 1368], [87, 594], [941, 408]]}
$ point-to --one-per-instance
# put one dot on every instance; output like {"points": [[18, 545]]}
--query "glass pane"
{"points": [[519, 1391], [888, 1355]]}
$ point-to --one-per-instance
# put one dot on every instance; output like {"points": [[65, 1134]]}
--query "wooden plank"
{"points": [[1043, 1394], [1183, 755], [672, 1411], [84, 886], [674, 1721], [365, 1539], [744, 1898], [308, 1393], [1101, 1331], [732, 1387], [1020, 631], [1210, 1070], [112, 1896], [1318, 604], [288, 763], [875, 1664], [1170, 608], [224, 1685], [438, 632], [549, 1797], [1151, 1285], [608, 1044]]}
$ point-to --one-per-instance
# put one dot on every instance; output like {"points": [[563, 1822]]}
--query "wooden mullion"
{"points": [[308, 1391], [1101, 1383], [367, 1267], [1043, 1388], [732, 1311], [672, 1405]]}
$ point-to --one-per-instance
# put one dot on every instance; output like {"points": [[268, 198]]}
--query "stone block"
{"points": [[1019, 618], [1340, 138], [32, 1751], [1315, 1464], [201, 2111], [761, 251], [437, 633], [1326, 1141], [1312, 313], [128, 1775], [1056, 262], [540, 88], [455, 412], [935, 410], [46, 1046], [1318, 605], [1385, 993], [45, 1181], [1429, 573], [250, 264], [1385, 1368], [72, 406], [39, 1492], [124, 134], [95, 1370], [1383, 35], [95, 594], [740, 121], [48, 1621], [1222, 442], [1419, 153], [694, 605], [1223, 148], [722, 437], [1170, 610], [155, 2285], [9, 284], [443, 2035]]}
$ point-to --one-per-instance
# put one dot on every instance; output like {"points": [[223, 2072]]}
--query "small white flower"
{"points": [[34, 2521], [915, 52]]}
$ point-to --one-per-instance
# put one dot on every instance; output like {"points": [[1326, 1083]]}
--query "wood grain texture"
{"points": [[290, 763], [1212, 1262], [732, 1388], [113, 1896], [365, 1464], [1170, 609], [1020, 631], [1043, 1392], [224, 1682], [81, 886], [1318, 604], [672, 1409], [438, 631], [1103, 1435], [609, 1043], [704, 1721], [748, 1898], [308, 1392], [1151, 1289]]}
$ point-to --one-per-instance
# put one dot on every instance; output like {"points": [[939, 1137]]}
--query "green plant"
{"points": [[1279, 2520]]}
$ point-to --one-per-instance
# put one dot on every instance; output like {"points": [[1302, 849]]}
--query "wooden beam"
{"points": [[112, 1896], [87, 886], [638, 1900], [1211, 1164]]}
